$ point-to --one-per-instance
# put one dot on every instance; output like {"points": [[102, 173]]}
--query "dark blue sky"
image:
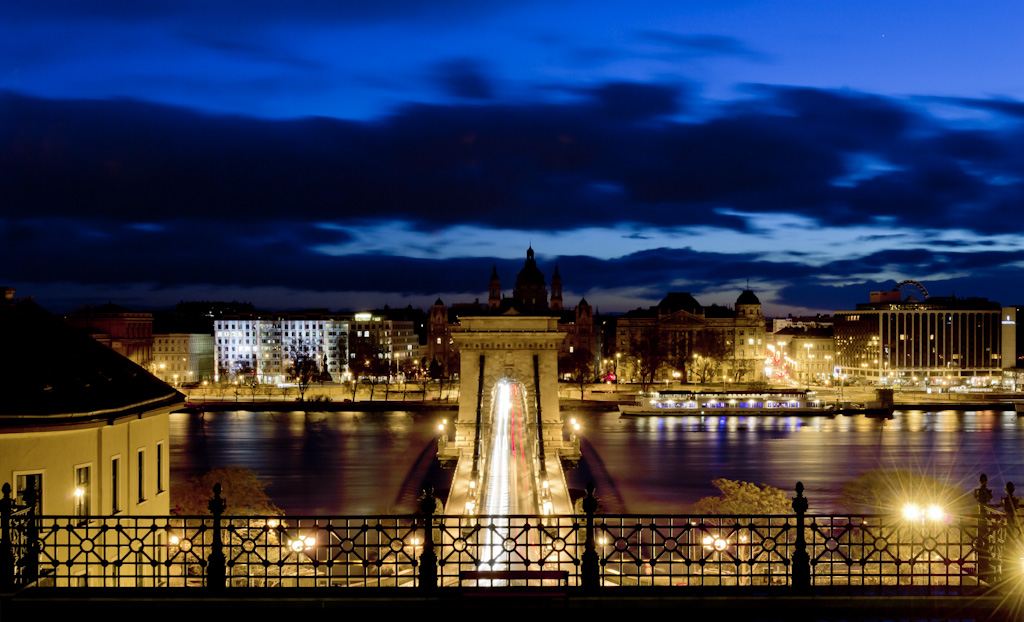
{"points": [[354, 154]]}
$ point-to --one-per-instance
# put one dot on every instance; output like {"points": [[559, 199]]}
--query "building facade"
{"points": [[684, 341], [944, 339], [264, 346], [391, 340], [803, 354], [183, 358], [87, 432], [129, 333]]}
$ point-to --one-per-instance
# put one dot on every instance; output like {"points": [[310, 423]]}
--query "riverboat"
{"points": [[783, 402]]}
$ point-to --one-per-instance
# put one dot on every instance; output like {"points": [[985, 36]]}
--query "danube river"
{"points": [[369, 462]]}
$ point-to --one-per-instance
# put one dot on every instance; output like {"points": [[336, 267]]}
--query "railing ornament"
{"points": [[6, 548], [983, 545], [216, 572], [428, 560], [590, 571], [801, 559]]}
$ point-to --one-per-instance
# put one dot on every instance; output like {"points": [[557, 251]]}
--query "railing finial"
{"points": [[216, 571], [590, 570], [801, 558]]}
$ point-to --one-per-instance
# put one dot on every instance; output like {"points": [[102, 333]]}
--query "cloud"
{"points": [[464, 78], [121, 191], [239, 13], [503, 165], [632, 101], [698, 44], [1008, 107]]}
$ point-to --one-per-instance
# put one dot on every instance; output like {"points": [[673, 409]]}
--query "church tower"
{"points": [[556, 290], [494, 299], [531, 293]]}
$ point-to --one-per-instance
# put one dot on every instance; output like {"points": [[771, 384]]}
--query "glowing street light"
{"points": [[933, 512]]}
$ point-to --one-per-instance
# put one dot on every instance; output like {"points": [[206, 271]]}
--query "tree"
{"points": [[745, 498], [368, 363], [887, 491], [579, 366], [648, 352], [305, 367], [241, 488], [709, 351]]}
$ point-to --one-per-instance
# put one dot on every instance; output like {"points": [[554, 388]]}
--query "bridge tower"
{"points": [[496, 352]]}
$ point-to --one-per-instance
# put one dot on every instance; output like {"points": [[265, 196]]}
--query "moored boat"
{"points": [[740, 402]]}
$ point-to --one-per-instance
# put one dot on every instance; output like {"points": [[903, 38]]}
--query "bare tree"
{"points": [[368, 364], [709, 352], [648, 352], [305, 367], [579, 366]]}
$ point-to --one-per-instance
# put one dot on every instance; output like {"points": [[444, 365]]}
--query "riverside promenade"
{"points": [[420, 396]]}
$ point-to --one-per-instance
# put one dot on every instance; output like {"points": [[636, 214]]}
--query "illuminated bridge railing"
{"points": [[587, 551]]}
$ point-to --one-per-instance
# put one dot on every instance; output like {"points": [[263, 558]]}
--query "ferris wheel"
{"points": [[912, 289]]}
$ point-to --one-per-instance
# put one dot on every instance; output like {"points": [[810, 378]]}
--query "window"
{"points": [[159, 468], [142, 475], [82, 495], [30, 485], [115, 485]]}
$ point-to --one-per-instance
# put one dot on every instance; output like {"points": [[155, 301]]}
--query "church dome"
{"points": [[747, 298], [530, 274], [530, 293]]}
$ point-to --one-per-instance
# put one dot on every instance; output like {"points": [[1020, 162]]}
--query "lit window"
{"points": [[82, 491]]}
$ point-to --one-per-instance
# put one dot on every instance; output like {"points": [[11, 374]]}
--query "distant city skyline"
{"points": [[322, 154]]}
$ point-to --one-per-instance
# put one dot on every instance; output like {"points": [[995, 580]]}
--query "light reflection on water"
{"points": [[315, 463], [663, 464], [352, 463]]}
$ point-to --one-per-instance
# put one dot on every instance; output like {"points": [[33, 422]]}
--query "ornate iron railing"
{"points": [[587, 550]]}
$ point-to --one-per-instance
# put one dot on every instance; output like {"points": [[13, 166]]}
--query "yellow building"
{"points": [[81, 425]]}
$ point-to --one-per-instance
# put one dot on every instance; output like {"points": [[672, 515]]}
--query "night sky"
{"points": [[351, 154]]}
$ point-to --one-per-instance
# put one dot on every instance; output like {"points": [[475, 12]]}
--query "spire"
{"points": [[494, 292], [556, 290]]}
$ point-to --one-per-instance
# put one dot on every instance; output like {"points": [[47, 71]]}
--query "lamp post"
{"points": [[618, 355]]}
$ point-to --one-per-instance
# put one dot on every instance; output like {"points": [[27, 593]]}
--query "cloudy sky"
{"points": [[352, 154]]}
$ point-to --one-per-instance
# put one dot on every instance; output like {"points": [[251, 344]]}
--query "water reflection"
{"points": [[666, 473], [367, 462]]}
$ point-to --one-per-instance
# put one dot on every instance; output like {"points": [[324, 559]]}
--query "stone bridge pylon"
{"points": [[509, 436]]}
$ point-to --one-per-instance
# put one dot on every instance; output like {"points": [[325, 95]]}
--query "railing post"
{"points": [[216, 574], [30, 561], [6, 547], [983, 544], [591, 570], [428, 560], [801, 559], [1010, 506]]}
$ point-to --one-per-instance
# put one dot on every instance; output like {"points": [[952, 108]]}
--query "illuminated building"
{"points": [[264, 345], [936, 340], [680, 333], [394, 340], [805, 353], [86, 429], [182, 358], [529, 297]]}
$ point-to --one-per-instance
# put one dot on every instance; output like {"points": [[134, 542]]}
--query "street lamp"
{"points": [[618, 355], [916, 513]]}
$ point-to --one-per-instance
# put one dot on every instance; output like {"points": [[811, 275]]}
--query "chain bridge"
{"points": [[509, 437]]}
